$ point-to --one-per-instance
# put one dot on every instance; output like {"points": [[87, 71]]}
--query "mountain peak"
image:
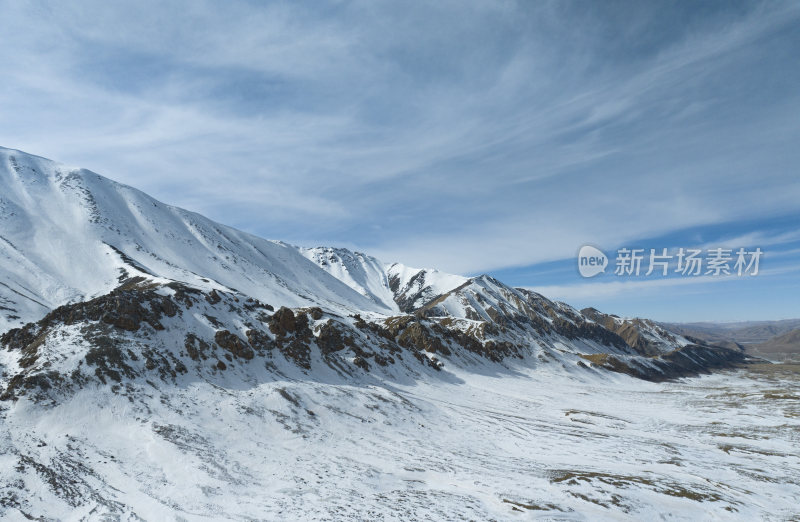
{"points": [[69, 234]]}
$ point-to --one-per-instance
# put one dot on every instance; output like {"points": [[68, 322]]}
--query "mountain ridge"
{"points": [[48, 210], [108, 265]]}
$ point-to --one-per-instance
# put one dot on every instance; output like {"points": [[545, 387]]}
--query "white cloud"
{"points": [[476, 135]]}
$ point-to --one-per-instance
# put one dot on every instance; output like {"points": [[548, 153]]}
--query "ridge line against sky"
{"points": [[468, 136]]}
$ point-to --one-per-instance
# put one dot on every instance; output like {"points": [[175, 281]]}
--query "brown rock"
{"points": [[259, 340], [282, 322], [330, 338], [234, 344], [361, 363], [213, 297]]}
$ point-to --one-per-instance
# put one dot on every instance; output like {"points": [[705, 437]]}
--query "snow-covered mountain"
{"points": [[364, 274], [68, 234], [70, 239], [182, 326], [415, 287], [645, 336]]}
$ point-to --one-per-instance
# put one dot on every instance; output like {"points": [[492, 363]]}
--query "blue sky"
{"points": [[473, 137]]}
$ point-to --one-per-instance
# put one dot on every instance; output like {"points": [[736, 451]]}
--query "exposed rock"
{"points": [[282, 322], [35, 383], [109, 360], [121, 329], [234, 344], [418, 336], [213, 297], [688, 361], [383, 360], [298, 351], [123, 308], [301, 324], [164, 306], [644, 336], [361, 363], [330, 338], [196, 348], [259, 340]]}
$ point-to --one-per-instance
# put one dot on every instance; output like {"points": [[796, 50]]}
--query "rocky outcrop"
{"points": [[196, 348], [644, 336], [330, 338], [233, 344], [292, 335], [687, 361], [259, 340], [282, 323], [123, 336]]}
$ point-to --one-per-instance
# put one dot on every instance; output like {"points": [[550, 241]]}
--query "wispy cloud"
{"points": [[596, 290], [463, 135]]}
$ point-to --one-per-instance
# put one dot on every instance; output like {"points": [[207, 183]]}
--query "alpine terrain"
{"points": [[157, 365]]}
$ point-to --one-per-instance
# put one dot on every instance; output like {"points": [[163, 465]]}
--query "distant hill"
{"points": [[780, 347], [775, 340], [746, 332]]}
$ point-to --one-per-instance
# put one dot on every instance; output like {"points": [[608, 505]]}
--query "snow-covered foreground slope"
{"points": [[499, 443]]}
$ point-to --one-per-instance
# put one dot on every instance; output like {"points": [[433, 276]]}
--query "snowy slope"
{"points": [[364, 274], [644, 335], [67, 234], [416, 287], [500, 444], [401, 288], [484, 298]]}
